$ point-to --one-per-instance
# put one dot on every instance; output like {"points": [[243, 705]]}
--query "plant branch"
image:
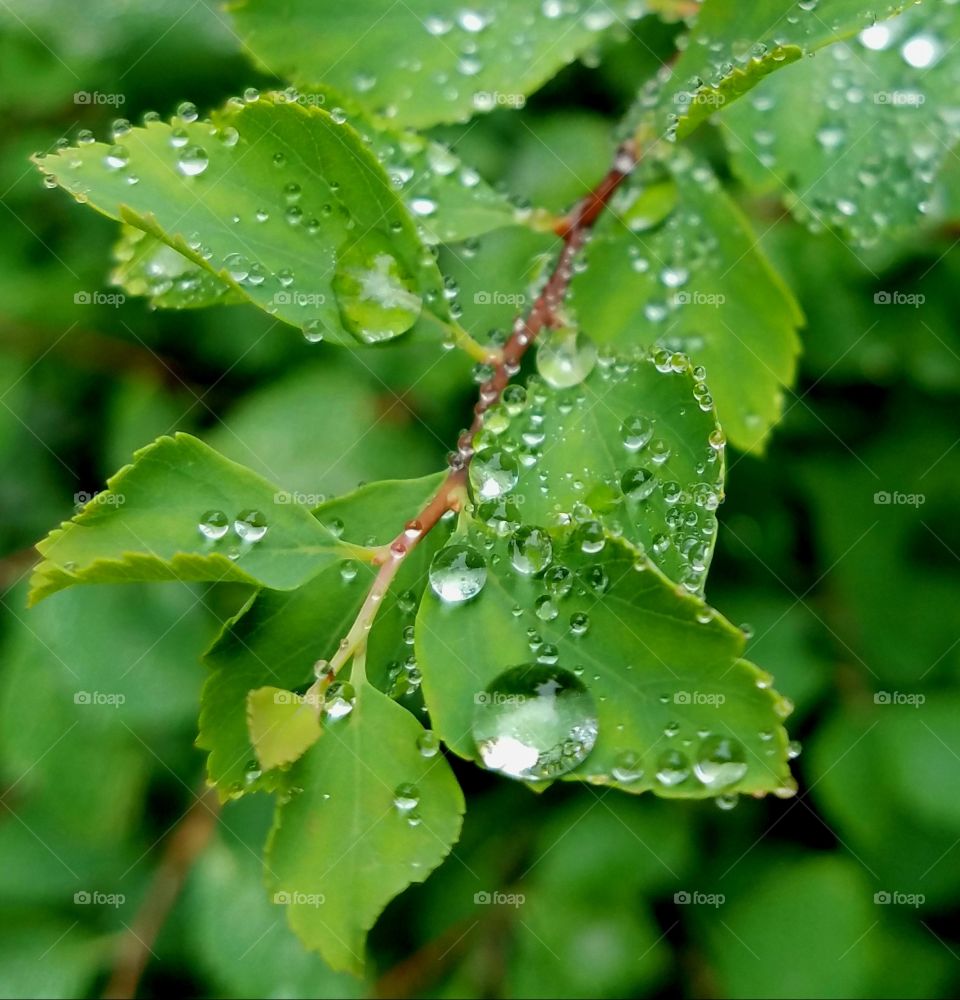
{"points": [[574, 230]]}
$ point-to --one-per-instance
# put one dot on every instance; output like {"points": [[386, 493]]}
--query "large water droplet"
{"points": [[376, 296], [672, 768], [530, 550], [192, 160], [493, 472], [457, 573], [638, 484], [406, 798], [339, 700], [250, 525], [565, 358], [720, 762], [214, 524], [534, 722]]}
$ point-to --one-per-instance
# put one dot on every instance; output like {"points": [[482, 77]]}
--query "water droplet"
{"points": [[672, 768], [720, 762], [117, 157], [627, 767], [493, 472], [638, 484], [531, 550], [545, 609], [339, 700], [534, 722], [376, 296], [250, 525], [565, 358], [406, 798], [187, 112], [559, 580], [457, 573], [428, 744], [192, 160], [727, 801], [636, 432], [579, 623], [214, 524]]}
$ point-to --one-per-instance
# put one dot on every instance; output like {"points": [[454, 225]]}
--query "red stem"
{"points": [[545, 312]]}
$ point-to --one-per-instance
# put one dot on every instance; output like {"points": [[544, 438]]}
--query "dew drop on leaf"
{"points": [[638, 484], [493, 472], [428, 744], [627, 767], [531, 550], [250, 525], [376, 296], [720, 762], [406, 798], [457, 573], [534, 722], [672, 768], [565, 357], [214, 524], [192, 160], [339, 700]]}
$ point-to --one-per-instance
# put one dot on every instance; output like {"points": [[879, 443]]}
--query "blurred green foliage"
{"points": [[848, 890]]}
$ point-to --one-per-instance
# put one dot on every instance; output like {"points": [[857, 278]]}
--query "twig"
{"points": [[544, 313], [185, 845]]}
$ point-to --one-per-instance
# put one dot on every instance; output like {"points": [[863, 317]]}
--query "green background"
{"points": [[849, 890]]}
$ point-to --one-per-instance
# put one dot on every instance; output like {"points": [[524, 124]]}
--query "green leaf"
{"points": [[282, 725], [418, 64], [854, 138], [147, 526], [694, 281], [277, 637], [242, 947], [733, 46], [448, 198], [631, 446], [148, 267], [283, 204], [341, 848], [662, 667]]}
